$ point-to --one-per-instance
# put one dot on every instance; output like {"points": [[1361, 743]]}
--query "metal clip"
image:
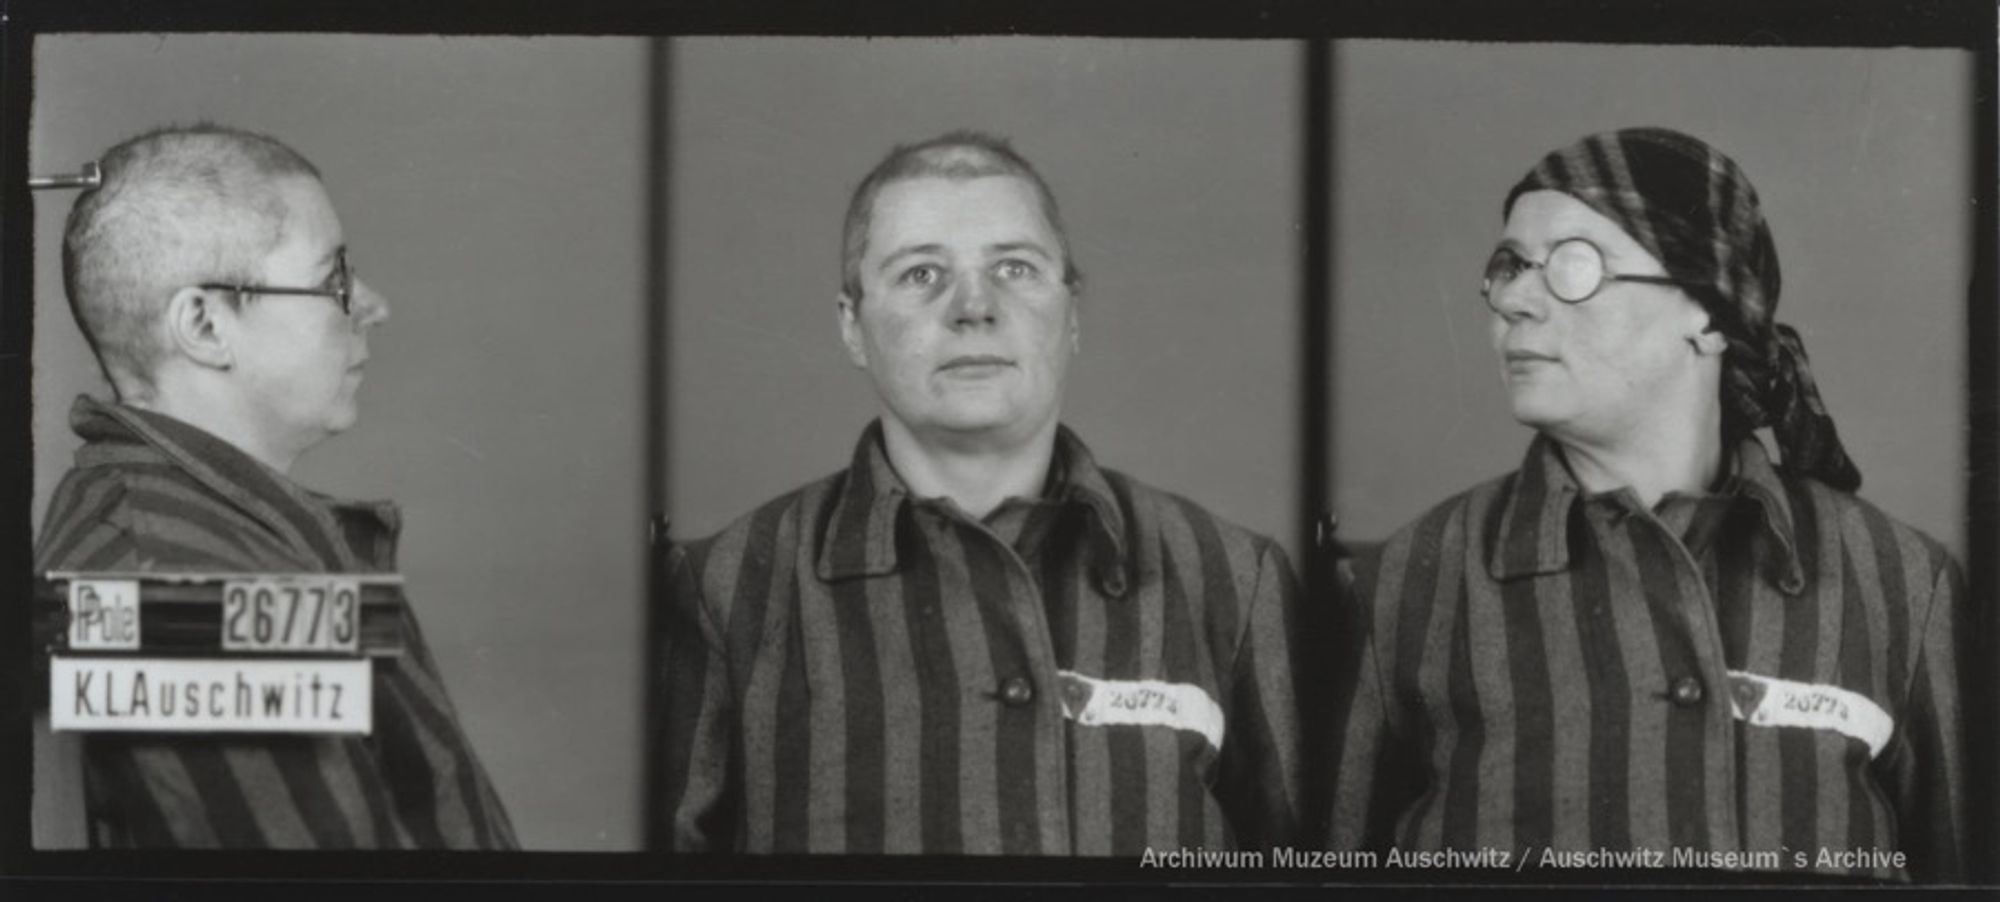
{"points": [[1323, 530], [90, 177]]}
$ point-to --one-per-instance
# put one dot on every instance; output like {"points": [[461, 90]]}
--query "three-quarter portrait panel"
{"points": [[1620, 592], [999, 457]]}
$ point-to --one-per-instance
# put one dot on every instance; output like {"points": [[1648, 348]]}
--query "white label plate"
{"points": [[187, 695], [1772, 702], [291, 613], [1096, 702], [103, 614]]}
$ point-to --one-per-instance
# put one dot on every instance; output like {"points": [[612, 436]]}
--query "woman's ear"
{"points": [[1708, 343], [847, 311], [198, 327], [1703, 336]]}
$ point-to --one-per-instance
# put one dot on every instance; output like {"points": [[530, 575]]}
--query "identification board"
{"points": [[291, 614], [255, 695], [104, 614]]}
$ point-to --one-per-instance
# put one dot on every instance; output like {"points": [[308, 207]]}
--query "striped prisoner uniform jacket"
{"points": [[854, 670], [151, 493], [1768, 667]]}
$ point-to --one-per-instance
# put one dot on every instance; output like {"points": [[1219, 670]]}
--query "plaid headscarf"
{"points": [[1695, 211]]}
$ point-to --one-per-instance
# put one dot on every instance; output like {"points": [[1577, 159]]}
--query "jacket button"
{"points": [[1017, 691], [1687, 692]]}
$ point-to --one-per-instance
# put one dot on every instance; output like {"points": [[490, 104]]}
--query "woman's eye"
{"points": [[1504, 266], [924, 275], [1016, 269]]}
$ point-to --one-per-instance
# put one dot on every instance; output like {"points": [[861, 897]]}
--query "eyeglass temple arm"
{"points": [[90, 177]]}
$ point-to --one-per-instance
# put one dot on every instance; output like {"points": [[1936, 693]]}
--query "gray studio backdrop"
{"points": [[494, 190], [1863, 162], [1175, 164]]}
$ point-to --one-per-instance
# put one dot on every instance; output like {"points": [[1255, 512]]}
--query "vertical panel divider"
{"points": [[655, 396], [16, 343], [1319, 614], [1315, 297], [1982, 500]]}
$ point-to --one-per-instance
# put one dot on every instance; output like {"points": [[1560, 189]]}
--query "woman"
{"points": [[1653, 645]]}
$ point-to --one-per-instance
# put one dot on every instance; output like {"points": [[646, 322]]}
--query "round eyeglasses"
{"points": [[339, 286], [1574, 271]]}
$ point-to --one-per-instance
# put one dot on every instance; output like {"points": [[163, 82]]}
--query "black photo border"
{"points": [[1962, 24]]}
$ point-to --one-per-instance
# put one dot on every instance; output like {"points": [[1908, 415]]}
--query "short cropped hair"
{"points": [[178, 206], [957, 155]]}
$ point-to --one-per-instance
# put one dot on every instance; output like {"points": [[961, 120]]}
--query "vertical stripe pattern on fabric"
{"points": [[1557, 663], [150, 493], [896, 682]]}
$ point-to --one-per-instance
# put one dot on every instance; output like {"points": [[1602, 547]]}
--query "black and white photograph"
{"points": [[1272, 452]]}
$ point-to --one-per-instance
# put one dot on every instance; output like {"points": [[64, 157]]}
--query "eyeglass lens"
{"points": [[1573, 272], [343, 282]]}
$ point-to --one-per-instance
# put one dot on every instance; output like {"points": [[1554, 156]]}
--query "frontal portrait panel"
{"points": [[1175, 167], [964, 630]]}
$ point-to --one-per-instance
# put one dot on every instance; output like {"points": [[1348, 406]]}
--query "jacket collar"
{"points": [[1532, 537], [318, 526], [860, 536]]}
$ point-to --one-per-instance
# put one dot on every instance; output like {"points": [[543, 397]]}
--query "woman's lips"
{"points": [[975, 365], [1525, 361]]}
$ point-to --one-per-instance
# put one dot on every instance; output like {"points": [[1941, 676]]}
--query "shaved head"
{"points": [[958, 156], [178, 206]]}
